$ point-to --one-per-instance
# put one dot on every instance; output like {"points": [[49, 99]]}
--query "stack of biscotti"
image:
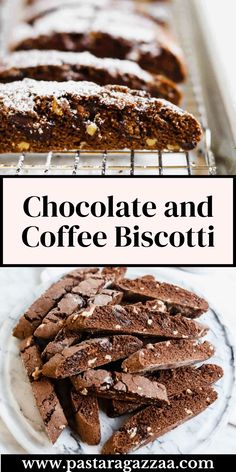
{"points": [[97, 75], [95, 336]]}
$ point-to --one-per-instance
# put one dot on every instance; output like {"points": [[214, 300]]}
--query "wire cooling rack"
{"points": [[198, 162]]}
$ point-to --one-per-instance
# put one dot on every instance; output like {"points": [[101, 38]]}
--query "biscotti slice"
{"points": [[31, 358], [87, 422], [139, 39], [134, 319], [176, 381], [46, 65], [127, 387], [54, 320], [83, 115], [168, 355], [41, 8], [176, 299], [90, 354], [33, 317], [49, 407], [62, 340], [153, 422]]}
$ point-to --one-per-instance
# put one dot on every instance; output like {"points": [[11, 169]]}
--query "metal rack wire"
{"points": [[159, 163]]}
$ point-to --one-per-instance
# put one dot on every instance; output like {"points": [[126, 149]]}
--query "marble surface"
{"points": [[208, 283]]}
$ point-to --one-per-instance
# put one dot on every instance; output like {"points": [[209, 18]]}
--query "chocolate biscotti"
{"points": [[64, 66], [153, 422], [177, 381], [41, 8], [86, 415], [112, 33], [83, 115], [168, 355], [127, 387], [49, 408], [175, 299], [134, 319], [90, 354], [33, 317], [43, 389]]}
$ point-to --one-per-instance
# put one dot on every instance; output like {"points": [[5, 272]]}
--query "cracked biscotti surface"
{"points": [[107, 33], [119, 385], [91, 353], [153, 422], [83, 115], [72, 371], [134, 319], [64, 66], [168, 355], [87, 422], [177, 381], [175, 299]]}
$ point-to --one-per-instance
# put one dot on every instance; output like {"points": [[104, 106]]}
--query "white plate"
{"points": [[20, 414]]}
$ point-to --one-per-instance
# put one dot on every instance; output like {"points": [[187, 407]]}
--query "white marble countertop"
{"points": [[218, 285]]}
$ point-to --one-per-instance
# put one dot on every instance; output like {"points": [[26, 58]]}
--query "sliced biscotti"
{"points": [[33, 317], [122, 386], [31, 358], [46, 65], [100, 33], [43, 389], [176, 381], [86, 415], [41, 8], [54, 320], [49, 407], [62, 340], [152, 422], [168, 355], [83, 115], [176, 299], [134, 319], [90, 354]]}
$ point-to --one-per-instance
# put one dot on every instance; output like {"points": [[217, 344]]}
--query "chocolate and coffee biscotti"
{"points": [[90, 354], [176, 299], [41, 8], [33, 317], [134, 319], [87, 422], [31, 358], [152, 422], [177, 381], [54, 320], [167, 355], [43, 389], [64, 66], [112, 33], [49, 407], [126, 387], [62, 340], [83, 115]]}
